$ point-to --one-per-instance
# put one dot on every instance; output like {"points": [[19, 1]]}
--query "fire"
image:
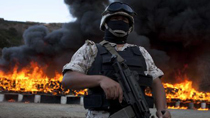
{"points": [[33, 79], [201, 109], [185, 91], [30, 79], [80, 92], [173, 107]]}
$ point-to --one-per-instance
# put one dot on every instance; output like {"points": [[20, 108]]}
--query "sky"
{"points": [[45, 11]]}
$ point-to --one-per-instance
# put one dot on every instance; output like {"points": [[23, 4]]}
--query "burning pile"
{"points": [[183, 95], [185, 91], [31, 79], [175, 32]]}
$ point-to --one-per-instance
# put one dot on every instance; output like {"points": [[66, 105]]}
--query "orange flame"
{"points": [[33, 79], [80, 92], [202, 109], [173, 107], [185, 91], [30, 79]]}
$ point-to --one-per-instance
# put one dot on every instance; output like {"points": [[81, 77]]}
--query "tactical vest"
{"points": [[103, 66]]}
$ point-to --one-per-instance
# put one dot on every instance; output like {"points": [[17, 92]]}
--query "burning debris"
{"points": [[31, 79], [175, 32]]}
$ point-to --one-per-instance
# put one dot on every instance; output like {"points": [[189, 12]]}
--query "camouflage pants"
{"points": [[97, 114]]}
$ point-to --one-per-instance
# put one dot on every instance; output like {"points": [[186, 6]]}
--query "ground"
{"points": [[40, 110]]}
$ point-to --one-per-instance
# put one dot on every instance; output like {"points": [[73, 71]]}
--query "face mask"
{"points": [[118, 27], [118, 33]]}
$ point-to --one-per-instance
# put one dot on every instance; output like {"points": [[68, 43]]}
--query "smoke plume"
{"points": [[56, 48], [181, 29], [175, 32]]}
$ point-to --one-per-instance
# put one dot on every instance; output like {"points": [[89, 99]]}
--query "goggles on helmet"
{"points": [[119, 6]]}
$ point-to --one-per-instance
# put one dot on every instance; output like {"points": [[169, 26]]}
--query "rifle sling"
{"points": [[111, 50]]}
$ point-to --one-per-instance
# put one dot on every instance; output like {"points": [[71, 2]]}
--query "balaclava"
{"points": [[116, 31]]}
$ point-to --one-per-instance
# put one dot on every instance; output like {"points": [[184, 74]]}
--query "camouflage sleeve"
{"points": [[82, 58], [152, 69]]}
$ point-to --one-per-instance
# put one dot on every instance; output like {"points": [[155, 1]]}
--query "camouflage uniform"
{"points": [[84, 57]]}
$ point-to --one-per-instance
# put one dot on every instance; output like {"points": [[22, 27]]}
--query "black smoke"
{"points": [[55, 49], [175, 32], [180, 28]]}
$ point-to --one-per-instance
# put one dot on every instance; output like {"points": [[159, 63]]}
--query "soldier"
{"points": [[90, 66]]}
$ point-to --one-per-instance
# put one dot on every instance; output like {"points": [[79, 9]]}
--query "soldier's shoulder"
{"points": [[89, 42], [90, 46]]}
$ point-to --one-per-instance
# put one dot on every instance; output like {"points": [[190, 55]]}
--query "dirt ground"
{"points": [[40, 110]]}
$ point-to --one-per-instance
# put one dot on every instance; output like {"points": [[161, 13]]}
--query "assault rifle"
{"points": [[132, 92]]}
